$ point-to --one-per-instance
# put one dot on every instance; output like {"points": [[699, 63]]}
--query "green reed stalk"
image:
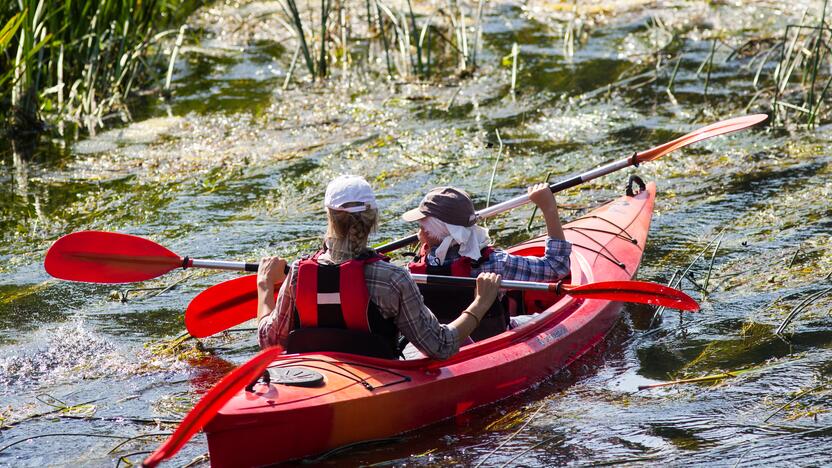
{"points": [[291, 67], [384, 39], [99, 48], [711, 264], [322, 68], [421, 46], [795, 398], [799, 308], [707, 378], [710, 64], [477, 34], [815, 109], [815, 62], [430, 44], [494, 169], [419, 65], [173, 55], [345, 49], [463, 37], [514, 53], [673, 74], [294, 14]]}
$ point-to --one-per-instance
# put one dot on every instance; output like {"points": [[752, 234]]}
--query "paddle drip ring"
{"points": [[266, 377], [641, 185], [185, 262], [559, 288], [634, 159]]}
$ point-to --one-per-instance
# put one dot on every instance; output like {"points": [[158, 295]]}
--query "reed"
{"points": [[804, 64], [679, 275], [816, 58], [79, 60], [397, 38], [494, 170], [704, 379], [514, 53], [710, 62], [799, 308]]}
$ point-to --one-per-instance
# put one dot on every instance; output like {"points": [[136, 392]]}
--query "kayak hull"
{"points": [[368, 398]]}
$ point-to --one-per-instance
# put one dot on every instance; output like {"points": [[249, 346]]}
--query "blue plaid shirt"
{"points": [[552, 266]]}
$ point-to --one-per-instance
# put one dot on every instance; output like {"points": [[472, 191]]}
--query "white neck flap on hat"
{"points": [[471, 240]]}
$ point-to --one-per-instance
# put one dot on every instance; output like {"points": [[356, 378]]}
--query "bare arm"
{"points": [[270, 272], [545, 201], [418, 324], [488, 286]]}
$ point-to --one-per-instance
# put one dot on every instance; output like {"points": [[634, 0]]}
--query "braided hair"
{"points": [[347, 233]]}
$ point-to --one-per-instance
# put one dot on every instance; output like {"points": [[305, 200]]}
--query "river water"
{"points": [[234, 167]]}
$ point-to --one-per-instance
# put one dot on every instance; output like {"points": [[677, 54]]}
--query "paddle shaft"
{"points": [[224, 265], [718, 128], [521, 200], [472, 282], [420, 279], [220, 265]]}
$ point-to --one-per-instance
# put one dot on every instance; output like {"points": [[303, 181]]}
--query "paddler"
{"points": [[453, 244], [347, 297]]}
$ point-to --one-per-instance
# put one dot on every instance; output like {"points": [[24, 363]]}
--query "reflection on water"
{"points": [[234, 167]]}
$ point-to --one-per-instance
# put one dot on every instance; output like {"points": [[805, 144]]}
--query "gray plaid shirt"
{"points": [[397, 298]]}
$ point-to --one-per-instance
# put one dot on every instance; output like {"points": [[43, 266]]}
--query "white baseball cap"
{"points": [[346, 189]]}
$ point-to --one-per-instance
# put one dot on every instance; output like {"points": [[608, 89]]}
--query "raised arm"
{"points": [[545, 201]]}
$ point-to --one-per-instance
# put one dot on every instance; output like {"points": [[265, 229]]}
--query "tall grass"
{"points": [[798, 87], [396, 41], [79, 60]]}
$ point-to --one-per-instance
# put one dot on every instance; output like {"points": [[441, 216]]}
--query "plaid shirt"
{"points": [[552, 266], [397, 298]]}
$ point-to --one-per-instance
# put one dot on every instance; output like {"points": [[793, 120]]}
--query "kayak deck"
{"points": [[364, 398]]}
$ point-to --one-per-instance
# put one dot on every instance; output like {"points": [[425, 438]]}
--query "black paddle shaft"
{"points": [[253, 267], [411, 239]]}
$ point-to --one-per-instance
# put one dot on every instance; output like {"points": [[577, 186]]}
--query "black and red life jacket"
{"points": [[447, 302], [336, 297]]}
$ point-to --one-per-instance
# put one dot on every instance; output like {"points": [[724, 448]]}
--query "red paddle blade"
{"points": [[719, 128], [223, 306], [634, 291], [211, 403], [108, 257]]}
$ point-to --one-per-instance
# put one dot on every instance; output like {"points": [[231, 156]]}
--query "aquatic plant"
{"points": [[802, 55], [79, 61], [410, 50]]}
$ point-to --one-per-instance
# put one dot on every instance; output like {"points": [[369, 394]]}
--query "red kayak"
{"points": [[345, 398]]}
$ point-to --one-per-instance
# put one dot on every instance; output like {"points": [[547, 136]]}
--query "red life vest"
{"points": [[447, 302], [333, 296], [462, 266]]}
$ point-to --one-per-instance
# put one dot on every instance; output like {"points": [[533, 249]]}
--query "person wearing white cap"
{"points": [[453, 244], [348, 298]]}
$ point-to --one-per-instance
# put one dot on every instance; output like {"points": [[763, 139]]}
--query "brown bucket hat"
{"points": [[447, 204]]}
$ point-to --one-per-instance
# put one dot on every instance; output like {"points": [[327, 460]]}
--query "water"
{"points": [[234, 167]]}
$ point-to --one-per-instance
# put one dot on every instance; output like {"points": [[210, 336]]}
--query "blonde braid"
{"points": [[348, 232]]}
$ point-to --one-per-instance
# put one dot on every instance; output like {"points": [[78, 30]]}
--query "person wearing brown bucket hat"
{"points": [[449, 204], [348, 298], [453, 244]]}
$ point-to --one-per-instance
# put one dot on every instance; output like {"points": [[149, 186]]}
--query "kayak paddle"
{"points": [[233, 302], [110, 257], [211, 403], [718, 128], [204, 315], [105, 257]]}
